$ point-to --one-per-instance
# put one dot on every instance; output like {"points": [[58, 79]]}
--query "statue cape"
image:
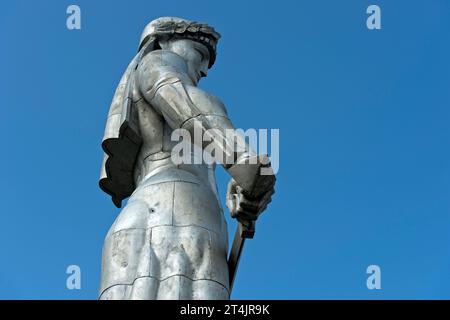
{"points": [[122, 140]]}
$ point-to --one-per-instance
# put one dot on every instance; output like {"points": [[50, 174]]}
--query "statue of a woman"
{"points": [[170, 240]]}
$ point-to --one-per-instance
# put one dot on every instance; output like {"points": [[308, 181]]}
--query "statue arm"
{"points": [[163, 82]]}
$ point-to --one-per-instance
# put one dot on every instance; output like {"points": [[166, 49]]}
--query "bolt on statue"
{"points": [[170, 240]]}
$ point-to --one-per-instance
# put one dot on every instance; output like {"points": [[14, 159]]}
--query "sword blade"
{"points": [[242, 232]]}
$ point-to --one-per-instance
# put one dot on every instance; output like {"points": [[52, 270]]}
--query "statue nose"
{"points": [[202, 74]]}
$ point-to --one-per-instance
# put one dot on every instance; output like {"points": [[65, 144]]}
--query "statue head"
{"points": [[194, 42]]}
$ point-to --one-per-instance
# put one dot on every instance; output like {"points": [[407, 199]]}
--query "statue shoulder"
{"points": [[206, 102], [157, 67], [164, 59]]}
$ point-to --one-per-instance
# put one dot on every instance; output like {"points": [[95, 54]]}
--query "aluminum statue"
{"points": [[170, 239]]}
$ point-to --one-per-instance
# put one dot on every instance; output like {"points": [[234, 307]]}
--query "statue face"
{"points": [[195, 54]]}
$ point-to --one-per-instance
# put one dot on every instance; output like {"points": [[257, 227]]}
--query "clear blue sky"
{"points": [[364, 125]]}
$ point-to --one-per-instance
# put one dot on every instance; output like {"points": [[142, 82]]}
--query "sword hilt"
{"points": [[246, 231]]}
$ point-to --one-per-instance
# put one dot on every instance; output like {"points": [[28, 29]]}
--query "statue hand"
{"points": [[254, 174], [243, 208]]}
